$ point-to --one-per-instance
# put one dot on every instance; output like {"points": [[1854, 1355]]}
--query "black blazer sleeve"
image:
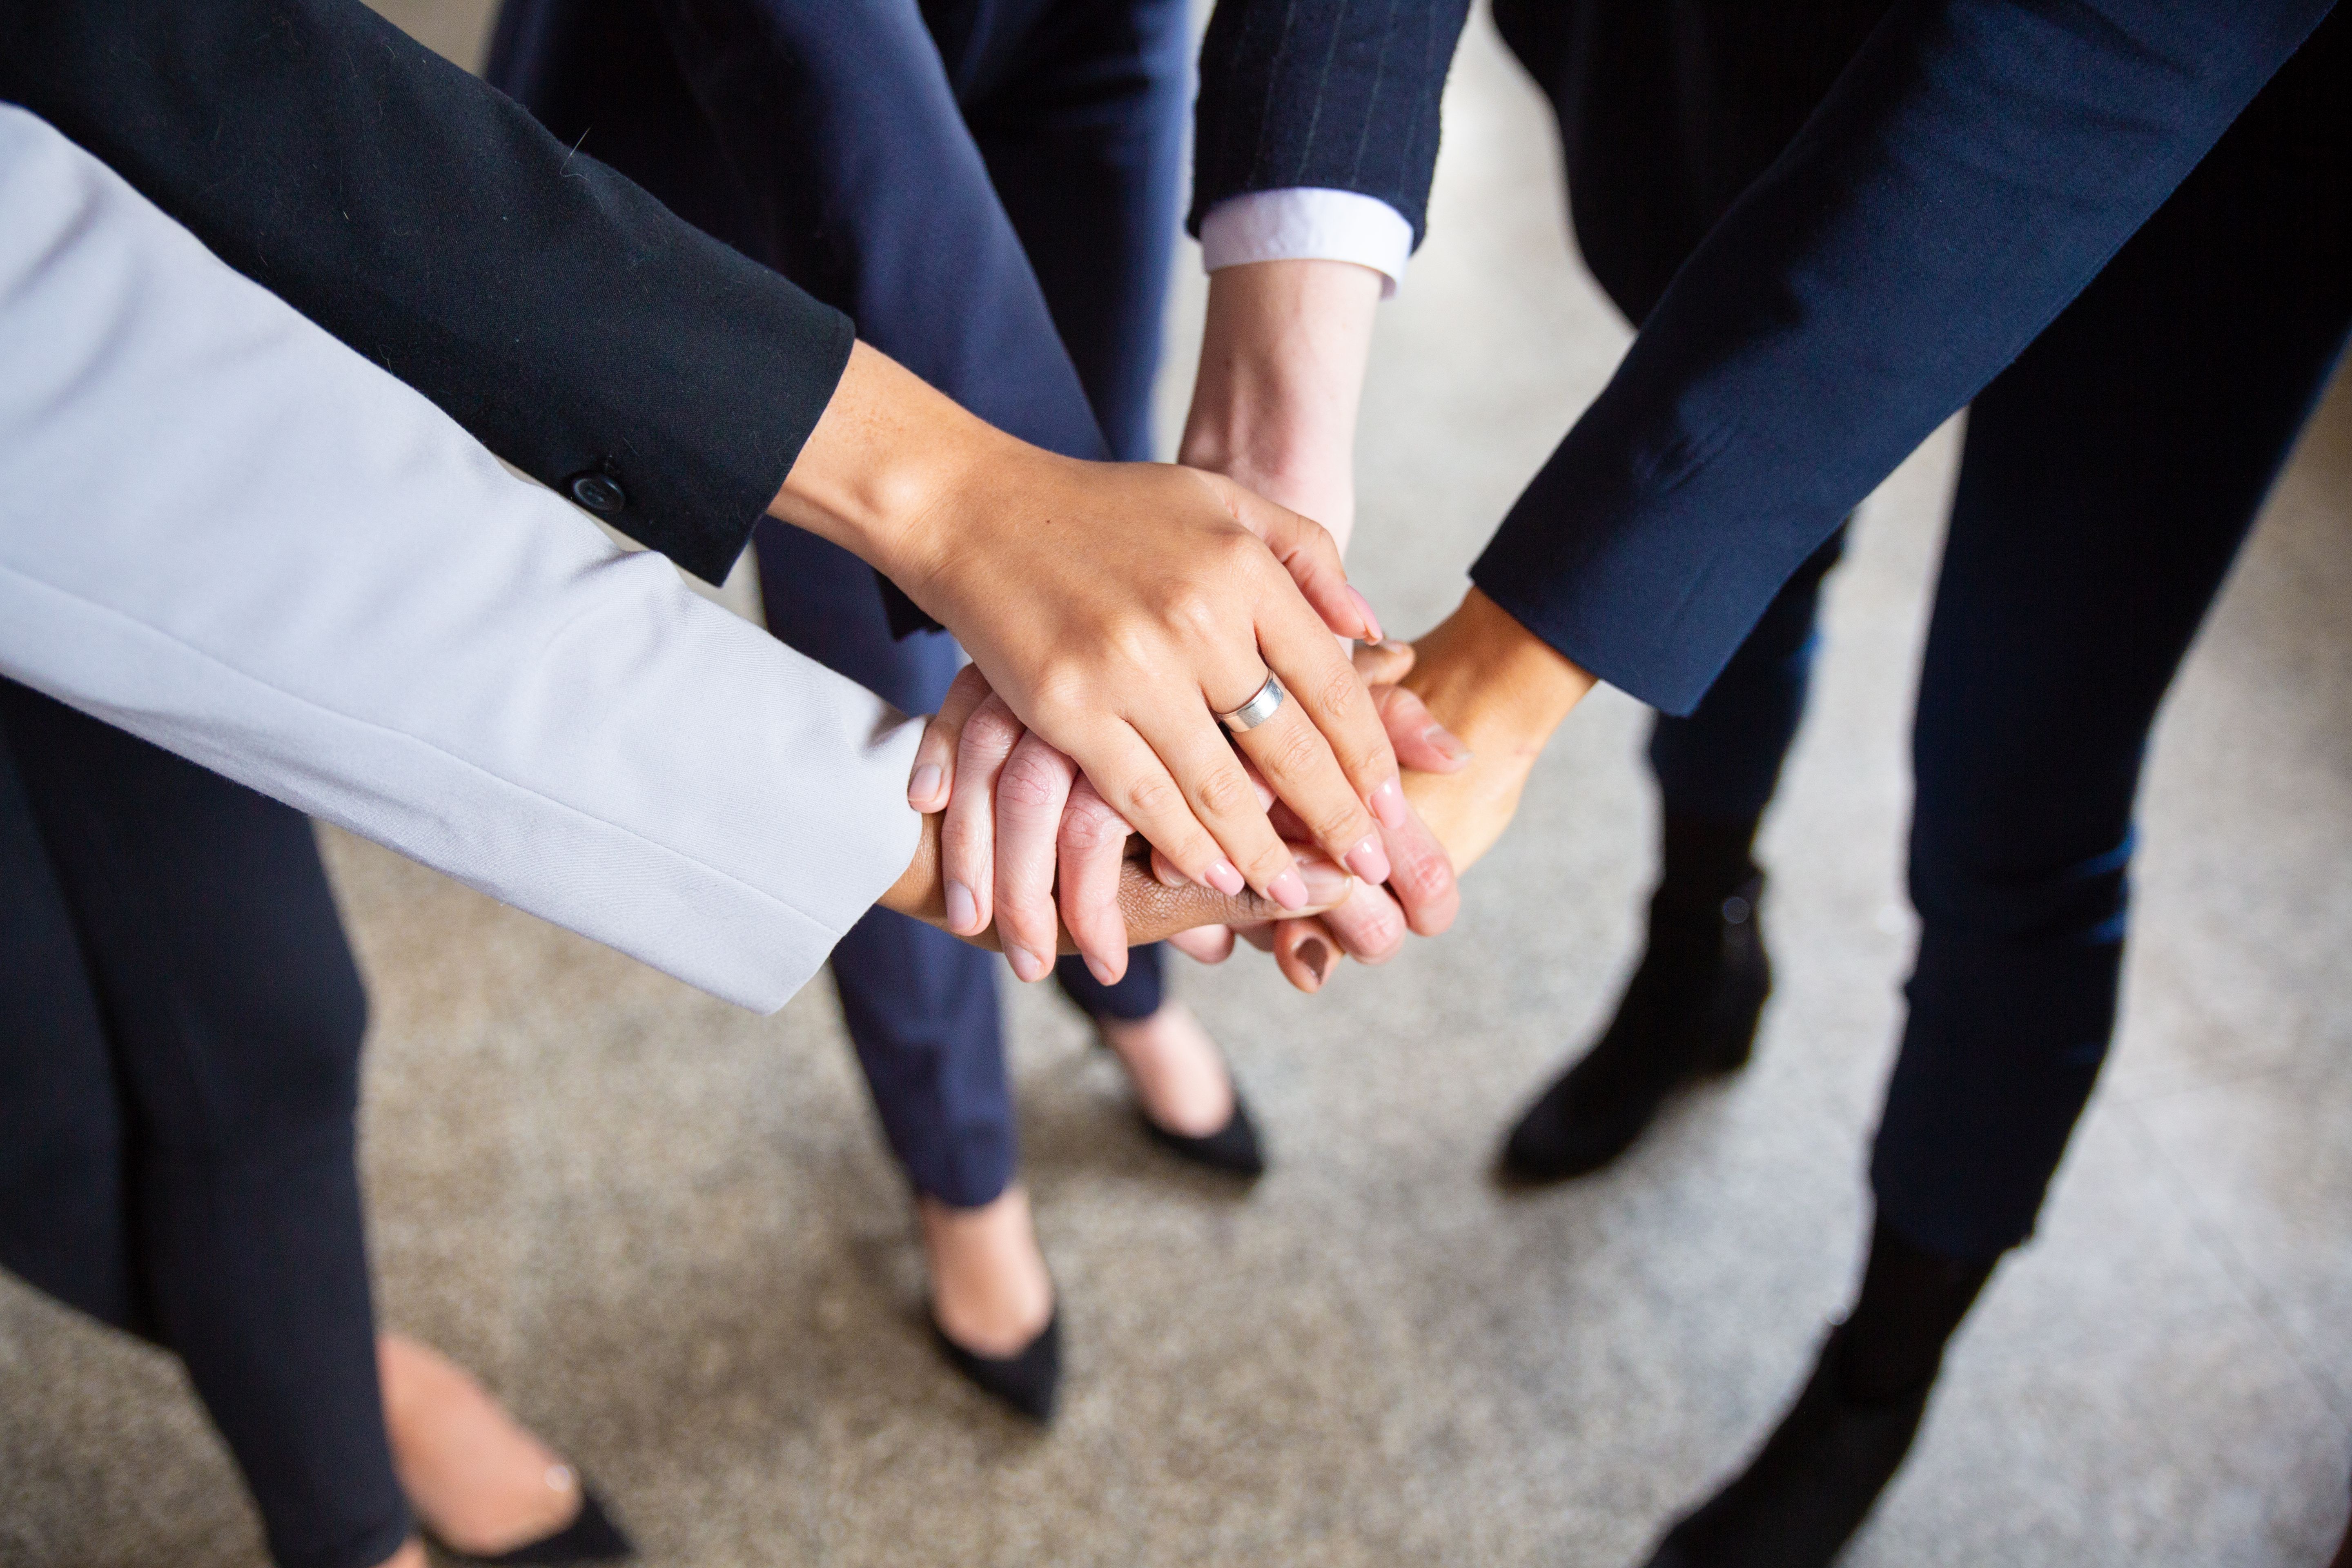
{"points": [[1972, 170], [553, 309], [1339, 94]]}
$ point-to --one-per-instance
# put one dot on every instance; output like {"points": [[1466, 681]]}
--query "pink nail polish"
{"points": [[1371, 621], [924, 785], [1225, 879], [1388, 805], [1369, 860], [1288, 891], [963, 909]]}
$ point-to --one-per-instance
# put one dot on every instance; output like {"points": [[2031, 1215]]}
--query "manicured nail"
{"points": [[925, 785], [963, 909], [1369, 861], [1448, 743], [1288, 891], [1317, 957], [1027, 964], [1388, 805], [1222, 875], [1371, 621], [1326, 883]]}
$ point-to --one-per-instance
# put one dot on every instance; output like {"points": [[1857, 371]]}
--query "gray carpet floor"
{"points": [[666, 1232]]}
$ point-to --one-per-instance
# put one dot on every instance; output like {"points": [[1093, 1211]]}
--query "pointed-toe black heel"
{"points": [[1233, 1149], [1029, 1380], [1690, 1012], [591, 1537]]}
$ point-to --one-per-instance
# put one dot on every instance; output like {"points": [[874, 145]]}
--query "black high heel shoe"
{"points": [[591, 1537], [1233, 1149], [1028, 1380]]}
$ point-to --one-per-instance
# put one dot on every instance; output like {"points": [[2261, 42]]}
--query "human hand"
{"points": [[1144, 905], [1024, 837], [1115, 607]]}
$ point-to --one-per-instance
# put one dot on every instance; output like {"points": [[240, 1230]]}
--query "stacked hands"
{"points": [[1024, 836], [1114, 611]]}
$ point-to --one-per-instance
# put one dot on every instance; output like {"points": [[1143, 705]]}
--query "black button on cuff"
{"points": [[600, 493]]}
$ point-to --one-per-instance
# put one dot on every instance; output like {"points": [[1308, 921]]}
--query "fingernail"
{"points": [[925, 785], [1326, 883], [1447, 743], [963, 909], [1288, 891], [1225, 879], [1396, 645], [1388, 805], [1317, 957], [1369, 861], [1371, 621], [1101, 970], [1166, 875], [1027, 964]]}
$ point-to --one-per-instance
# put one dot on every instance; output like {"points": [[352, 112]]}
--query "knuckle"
{"points": [[1150, 797], [1031, 782], [1291, 752], [992, 729], [1339, 691], [1225, 791]]}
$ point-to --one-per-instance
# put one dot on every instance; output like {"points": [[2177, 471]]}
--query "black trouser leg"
{"points": [[210, 949]]}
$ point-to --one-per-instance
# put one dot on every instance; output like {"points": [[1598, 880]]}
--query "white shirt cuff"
{"points": [[1308, 224]]}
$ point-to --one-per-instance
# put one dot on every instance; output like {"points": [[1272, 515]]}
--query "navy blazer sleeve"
{"points": [[1970, 173], [555, 310], [1339, 94]]}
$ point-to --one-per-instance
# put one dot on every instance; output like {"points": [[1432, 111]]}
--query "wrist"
{"points": [[1282, 368], [877, 474], [1497, 685]]}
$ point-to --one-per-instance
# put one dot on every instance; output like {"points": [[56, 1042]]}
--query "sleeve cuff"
{"points": [[1308, 224]]}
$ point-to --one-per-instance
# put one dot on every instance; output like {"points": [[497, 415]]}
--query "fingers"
{"points": [[1329, 694], [1153, 910], [1221, 797], [1029, 794], [1205, 944], [1304, 952], [1093, 844], [968, 836], [1420, 876], [1383, 663], [932, 780], [1421, 742], [1307, 554], [1369, 927], [1290, 753]]}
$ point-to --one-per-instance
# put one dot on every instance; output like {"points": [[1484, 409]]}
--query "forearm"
{"points": [[1282, 376]]}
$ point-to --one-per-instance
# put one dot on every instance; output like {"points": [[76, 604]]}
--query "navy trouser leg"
{"points": [[921, 1005], [180, 958], [1722, 762], [2109, 477]]}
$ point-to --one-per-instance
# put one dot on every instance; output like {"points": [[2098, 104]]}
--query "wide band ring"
{"points": [[1262, 705]]}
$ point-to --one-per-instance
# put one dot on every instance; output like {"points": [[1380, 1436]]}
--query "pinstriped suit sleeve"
{"points": [[1338, 95]]}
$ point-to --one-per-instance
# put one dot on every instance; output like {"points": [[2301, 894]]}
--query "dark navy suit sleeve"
{"points": [[553, 309], [1972, 170], [1338, 94]]}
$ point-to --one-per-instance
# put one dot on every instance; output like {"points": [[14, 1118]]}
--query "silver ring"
{"points": [[1263, 703]]}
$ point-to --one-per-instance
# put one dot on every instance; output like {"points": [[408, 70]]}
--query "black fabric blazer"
{"points": [[555, 310]]}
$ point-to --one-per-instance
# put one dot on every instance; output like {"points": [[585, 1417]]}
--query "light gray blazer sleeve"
{"points": [[222, 532]]}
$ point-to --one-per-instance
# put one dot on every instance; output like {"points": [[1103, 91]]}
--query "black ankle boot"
{"points": [[1807, 1490], [1817, 1477], [1690, 1011]]}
